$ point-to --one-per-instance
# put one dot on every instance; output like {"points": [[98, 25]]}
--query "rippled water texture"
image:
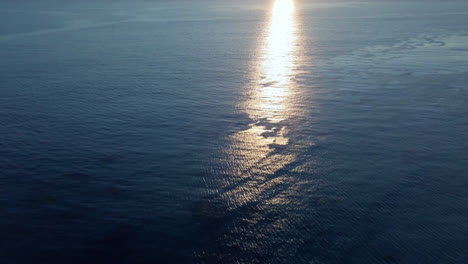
{"points": [[233, 132]]}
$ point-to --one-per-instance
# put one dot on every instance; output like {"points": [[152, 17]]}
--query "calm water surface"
{"points": [[194, 132]]}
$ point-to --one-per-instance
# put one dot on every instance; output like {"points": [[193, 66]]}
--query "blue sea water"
{"points": [[227, 132]]}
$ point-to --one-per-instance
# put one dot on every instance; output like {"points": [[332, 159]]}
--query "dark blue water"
{"points": [[195, 132]]}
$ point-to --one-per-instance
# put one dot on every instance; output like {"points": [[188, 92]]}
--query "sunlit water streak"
{"points": [[256, 154], [270, 94], [255, 199]]}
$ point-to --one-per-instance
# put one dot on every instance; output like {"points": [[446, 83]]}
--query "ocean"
{"points": [[233, 132]]}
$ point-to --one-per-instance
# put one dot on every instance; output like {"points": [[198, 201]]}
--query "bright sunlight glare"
{"points": [[283, 7]]}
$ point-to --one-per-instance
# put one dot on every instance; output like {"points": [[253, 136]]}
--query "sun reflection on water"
{"points": [[257, 189], [275, 70], [255, 153]]}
